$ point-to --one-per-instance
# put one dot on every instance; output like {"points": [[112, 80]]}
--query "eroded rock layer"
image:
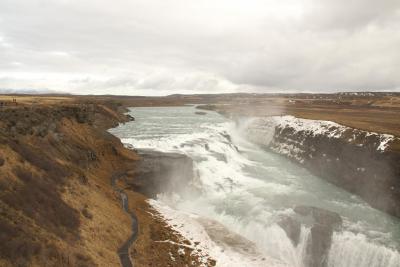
{"points": [[364, 163]]}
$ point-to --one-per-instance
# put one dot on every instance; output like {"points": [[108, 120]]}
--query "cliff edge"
{"points": [[364, 163], [57, 204]]}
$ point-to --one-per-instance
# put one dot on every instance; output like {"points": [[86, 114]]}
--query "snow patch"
{"points": [[385, 140]]}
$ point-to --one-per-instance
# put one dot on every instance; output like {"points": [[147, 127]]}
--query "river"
{"points": [[247, 189]]}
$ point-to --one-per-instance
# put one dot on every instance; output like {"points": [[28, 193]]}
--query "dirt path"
{"points": [[123, 251]]}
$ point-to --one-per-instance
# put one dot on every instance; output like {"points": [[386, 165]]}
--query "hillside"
{"points": [[57, 205]]}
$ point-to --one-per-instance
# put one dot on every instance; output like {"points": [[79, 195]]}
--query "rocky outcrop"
{"points": [[158, 172], [322, 223], [130, 117], [361, 162]]}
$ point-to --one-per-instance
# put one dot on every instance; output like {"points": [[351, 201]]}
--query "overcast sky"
{"points": [[160, 47]]}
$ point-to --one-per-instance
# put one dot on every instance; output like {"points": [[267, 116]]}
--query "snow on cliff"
{"points": [[266, 127]]}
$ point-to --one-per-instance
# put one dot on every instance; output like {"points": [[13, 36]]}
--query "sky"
{"points": [[161, 47]]}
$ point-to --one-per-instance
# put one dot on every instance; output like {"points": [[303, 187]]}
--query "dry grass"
{"points": [[57, 208], [28, 99], [109, 226]]}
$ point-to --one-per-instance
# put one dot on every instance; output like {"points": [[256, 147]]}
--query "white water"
{"points": [[247, 189]]}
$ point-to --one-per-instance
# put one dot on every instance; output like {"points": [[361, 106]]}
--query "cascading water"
{"points": [[248, 190]]}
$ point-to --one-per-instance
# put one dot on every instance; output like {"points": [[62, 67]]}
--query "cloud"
{"points": [[173, 46], [159, 83], [350, 14]]}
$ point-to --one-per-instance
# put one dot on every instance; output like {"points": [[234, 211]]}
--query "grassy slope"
{"points": [[57, 207]]}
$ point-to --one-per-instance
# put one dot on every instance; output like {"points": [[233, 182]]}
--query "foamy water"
{"points": [[246, 190]]}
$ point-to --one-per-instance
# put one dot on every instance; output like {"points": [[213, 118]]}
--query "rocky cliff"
{"points": [[157, 173], [57, 207], [57, 203], [364, 163]]}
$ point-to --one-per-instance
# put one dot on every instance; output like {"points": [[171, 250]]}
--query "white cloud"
{"points": [[173, 46]]}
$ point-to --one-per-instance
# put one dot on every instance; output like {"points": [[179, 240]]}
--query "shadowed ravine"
{"points": [[123, 251]]}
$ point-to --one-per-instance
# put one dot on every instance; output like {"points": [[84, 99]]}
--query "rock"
{"points": [[130, 117], [22, 128], [292, 228], [322, 224], [220, 156], [200, 113], [81, 115], [158, 172], [91, 155], [130, 146], [114, 150], [1, 161], [212, 262], [86, 213], [320, 216], [40, 130], [227, 137], [83, 179], [318, 246]]}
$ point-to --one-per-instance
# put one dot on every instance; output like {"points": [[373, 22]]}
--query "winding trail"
{"points": [[123, 251]]}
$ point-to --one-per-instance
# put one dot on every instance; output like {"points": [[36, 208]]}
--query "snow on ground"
{"points": [[204, 247], [313, 128]]}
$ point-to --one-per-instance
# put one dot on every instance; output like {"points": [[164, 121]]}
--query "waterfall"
{"points": [[247, 190], [349, 250]]}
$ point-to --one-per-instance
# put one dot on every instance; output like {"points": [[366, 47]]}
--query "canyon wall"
{"points": [[361, 162]]}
